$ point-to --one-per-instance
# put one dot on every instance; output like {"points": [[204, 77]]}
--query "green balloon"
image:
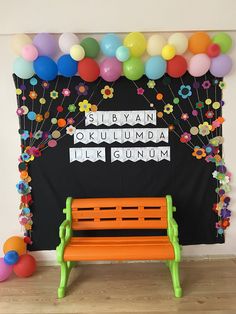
{"points": [[91, 47], [133, 68], [223, 40]]}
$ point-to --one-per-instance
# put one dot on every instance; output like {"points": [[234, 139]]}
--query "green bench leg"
{"points": [[65, 272], [174, 270]]}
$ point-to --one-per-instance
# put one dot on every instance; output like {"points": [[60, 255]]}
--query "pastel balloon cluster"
{"points": [[16, 259], [121, 57]]}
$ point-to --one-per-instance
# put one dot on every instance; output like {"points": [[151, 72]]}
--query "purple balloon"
{"points": [[5, 270], [221, 65], [110, 69], [46, 44]]}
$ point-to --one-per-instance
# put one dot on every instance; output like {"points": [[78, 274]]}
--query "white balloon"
{"points": [[66, 41], [180, 41], [155, 44]]}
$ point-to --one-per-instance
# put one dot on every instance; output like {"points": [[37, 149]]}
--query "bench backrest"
{"points": [[118, 213]]}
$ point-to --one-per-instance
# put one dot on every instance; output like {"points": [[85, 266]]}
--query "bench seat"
{"points": [[119, 248]]}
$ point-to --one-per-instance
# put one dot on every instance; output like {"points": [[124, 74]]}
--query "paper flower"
{"points": [[70, 130], [196, 84], [204, 129], [185, 91], [84, 106], [222, 85], [185, 137], [71, 108], [198, 152], [206, 84], [70, 121], [199, 105], [45, 84], [39, 117], [94, 108], [81, 89], [140, 91], [33, 95], [25, 135], [65, 92], [209, 114], [151, 84], [184, 116], [54, 94], [168, 108], [23, 187], [107, 92], [20, 111], [37, 135]]}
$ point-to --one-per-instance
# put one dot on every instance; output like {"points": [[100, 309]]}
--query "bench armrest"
{"points": [[65, 234], [173, 235]]}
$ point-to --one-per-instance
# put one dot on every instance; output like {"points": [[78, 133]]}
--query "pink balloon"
{"points": [[110, 69], [199, 64], [221, 65], [29, 52], [5, 270]]}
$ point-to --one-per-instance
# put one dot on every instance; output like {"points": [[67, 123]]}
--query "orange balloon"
{"points": [[199, 42], [15, 244]]}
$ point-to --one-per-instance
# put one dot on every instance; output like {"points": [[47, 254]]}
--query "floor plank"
{"points": [[209, 287]]}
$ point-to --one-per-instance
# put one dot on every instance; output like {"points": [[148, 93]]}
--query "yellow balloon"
{"points": [[18, 41], [77, 52], [168, 52], [136, 42]]}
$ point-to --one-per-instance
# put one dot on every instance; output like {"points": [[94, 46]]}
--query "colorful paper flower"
{"points": [[185, 137], [54, 94], [185, 91], [209, 114], [72, 108], [206, 84], [70, 130], [221, 177], [70, 121], [204, 128], [184, 116], [168, 108], [81, 89], [23, 187], [39, 117], [20, 111], [94, 108], [196, 84], [107, 92], [84, 106], [199, 105], [33, 95], [140, 91], [45, 85], [222, 85], [38, 134], [198, 152], [25, 135], [171, 127], [151, 84], [65, 92]]}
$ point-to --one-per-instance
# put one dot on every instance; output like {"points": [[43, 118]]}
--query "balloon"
{"points": [[109, 44], [66, 41], [155, 44], [221, 65], [23, 69], [29, 52], [77, 52], [168, 52], [46, 44], [133, 68], [110, 69], [155, 67], [213, 50], [199, 64], [45, 68], [223, 40], [199, 42], [91, 47], [15, 244], [179, 41], [5, 270], [122, 53], [26, 266], [18, 41], [11, 257], [67, 66], [136, 42], [177, 66], [88, 70]]}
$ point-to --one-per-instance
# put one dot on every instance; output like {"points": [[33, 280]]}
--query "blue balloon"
{"points": [[109, 44], [45, 68], [122, 53], [155, 67], [11, 257], [67, 66]]}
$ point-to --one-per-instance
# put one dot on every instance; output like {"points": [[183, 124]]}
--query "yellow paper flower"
{"points": [[84, 106], [107, 92], [168, 108], [54, 94]]}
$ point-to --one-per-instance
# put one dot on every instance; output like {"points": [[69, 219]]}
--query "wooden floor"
{"points": [[209, 287]]}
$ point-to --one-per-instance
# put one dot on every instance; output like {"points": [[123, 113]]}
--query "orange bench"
{"points": [[118, 213]]}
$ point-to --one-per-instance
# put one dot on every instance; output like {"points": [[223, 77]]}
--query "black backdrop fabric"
{"points": [[187, 179]]}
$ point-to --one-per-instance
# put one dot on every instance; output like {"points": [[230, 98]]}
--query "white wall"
{"points": [[157, 18]]}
